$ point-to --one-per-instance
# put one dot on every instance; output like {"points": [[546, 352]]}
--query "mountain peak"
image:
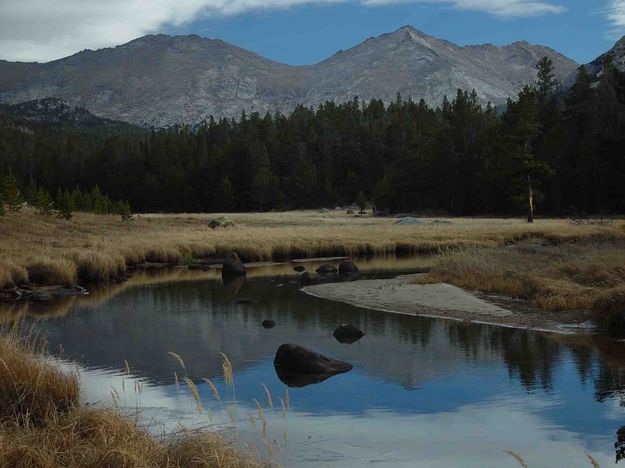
{"points": [[409, 32]]}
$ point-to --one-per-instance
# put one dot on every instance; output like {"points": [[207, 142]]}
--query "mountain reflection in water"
{"points": [[445, 393]]}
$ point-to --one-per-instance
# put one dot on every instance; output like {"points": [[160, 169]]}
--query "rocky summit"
{"points": [[160, 80]]}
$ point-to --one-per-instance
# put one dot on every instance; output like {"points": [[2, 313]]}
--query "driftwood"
{"points": [[28, 292]]}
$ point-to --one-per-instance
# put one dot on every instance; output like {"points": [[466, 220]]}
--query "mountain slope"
{"points": [[616, 54], [56, 112], [161, 80]]}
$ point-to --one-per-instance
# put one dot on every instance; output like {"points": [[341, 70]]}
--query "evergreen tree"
{"points": [[11, 192], [124, 211], [547, 83], [361, 201], [64, 204], [43, 202]]}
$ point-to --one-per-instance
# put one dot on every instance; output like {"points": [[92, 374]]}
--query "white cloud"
{"points": [[45, 30], [616, 13], [501, 8]]}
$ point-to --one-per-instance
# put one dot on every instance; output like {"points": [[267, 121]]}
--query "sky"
{"points": [[301, 32]]}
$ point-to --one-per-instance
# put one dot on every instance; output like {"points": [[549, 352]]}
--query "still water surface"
{"points": [[423, 392]]}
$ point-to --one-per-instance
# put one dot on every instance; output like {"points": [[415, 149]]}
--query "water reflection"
{"points": [[446, 392]]}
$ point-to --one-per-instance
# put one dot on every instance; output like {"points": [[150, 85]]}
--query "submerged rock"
{"points": [[300, 360], [246, 301], [268, 323], [299, 268], [348, 268], [233, 266], [348, 334]]}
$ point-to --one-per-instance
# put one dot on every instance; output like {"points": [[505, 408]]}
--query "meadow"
{"points": [[91, 248]]}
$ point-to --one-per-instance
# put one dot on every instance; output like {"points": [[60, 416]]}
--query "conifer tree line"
{"points": [[461, 158], [63, 205]]}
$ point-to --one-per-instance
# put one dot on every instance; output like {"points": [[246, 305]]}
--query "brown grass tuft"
{"points": [[11, 275], [43, 423], [49, 272], [31, 390]]}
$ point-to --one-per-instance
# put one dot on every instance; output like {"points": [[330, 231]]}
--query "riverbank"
{"points": [[45, 250], [44, 422], [402, 296]]}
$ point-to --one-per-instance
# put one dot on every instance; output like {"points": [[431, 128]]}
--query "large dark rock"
{"points": [[307, 279], [300, 360], [348, 268], [326, 269], [348, 334], [233, 266]]}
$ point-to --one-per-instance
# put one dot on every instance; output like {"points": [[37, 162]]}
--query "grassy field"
{"points": [[48, 250], [44, 423]]}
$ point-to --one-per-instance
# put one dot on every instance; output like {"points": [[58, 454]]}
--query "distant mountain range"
{"points": [[159, 80]]}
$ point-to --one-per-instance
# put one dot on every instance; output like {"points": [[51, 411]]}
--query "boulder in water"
{"points": [[300, 360], [348, 268], [348, 334], [268, 323], [307, 279], [233, 266]]}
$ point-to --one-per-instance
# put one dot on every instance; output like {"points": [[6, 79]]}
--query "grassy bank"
{"points": [[587, 275], [48, 250], [44, 423]]}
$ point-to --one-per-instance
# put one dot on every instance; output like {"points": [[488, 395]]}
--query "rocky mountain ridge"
{"points": [[160, 80]]}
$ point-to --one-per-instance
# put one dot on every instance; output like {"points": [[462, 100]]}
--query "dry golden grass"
{"points": [[31, 391], [44, 424], [585, 275], [98, 247]]}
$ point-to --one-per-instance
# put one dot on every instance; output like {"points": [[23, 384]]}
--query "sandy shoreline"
{"points": [[400, 296]]}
